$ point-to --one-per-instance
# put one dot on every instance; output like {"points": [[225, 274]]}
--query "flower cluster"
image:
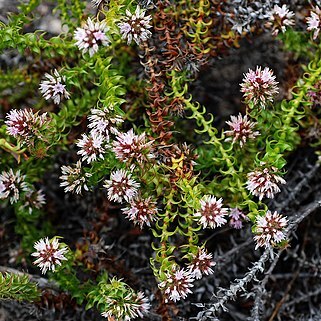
{"points": [[281, 17], [141, 211], [131, 306], [270, 229], [241, 129], [236, 218], [259, 86], [135, 26], [129, 146], [54, 87], [34, 200], [74, 178], [264, 183], [212, 212], [11, 185], [25, 123], [49, 253], [103, 122], [121, 187], [91, 36], [177, 284], [201, 263], [92, 147], [314, 22]]}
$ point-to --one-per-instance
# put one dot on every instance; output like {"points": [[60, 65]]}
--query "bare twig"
{"points": [[261, 291], [239, 284]]}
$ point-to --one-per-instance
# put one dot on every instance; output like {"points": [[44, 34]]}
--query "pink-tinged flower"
{"points": [[270, 229], [25, 124], [11, 185], [130, 307], [281, 17], [92, 147], [241, 129], [259, 86], [104, 122], [264, 183], [74, 178], [91, 36], [49, 253], [121, 187], [177, 284], [201, 263], [237, 218], [141, 211], [129, 146], [212, 212], [135, 26], [314, 22], [143, 304], [34, 200], [315, 95], [53, 87]]}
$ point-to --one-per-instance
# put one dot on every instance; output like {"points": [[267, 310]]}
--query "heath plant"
{"points": [[105, 110]]}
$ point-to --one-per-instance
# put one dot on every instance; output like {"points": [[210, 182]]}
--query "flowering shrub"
{"points": [[100, 124]]}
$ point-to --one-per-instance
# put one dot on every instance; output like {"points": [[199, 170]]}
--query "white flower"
{"points": [[121, 186], [201, 263], [177, 284], [129, 146], [25, 123], [34, 200], [91, 36], [130, 307], [212, 212], [54, 87], [141, 211], [48, 254], [259, 86], [270, 229], [91, 147], [280, 18], [241, 129], [11, 185], [264, 183], [74, 178], [102, 121], [314, 22], [135, 26]]}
